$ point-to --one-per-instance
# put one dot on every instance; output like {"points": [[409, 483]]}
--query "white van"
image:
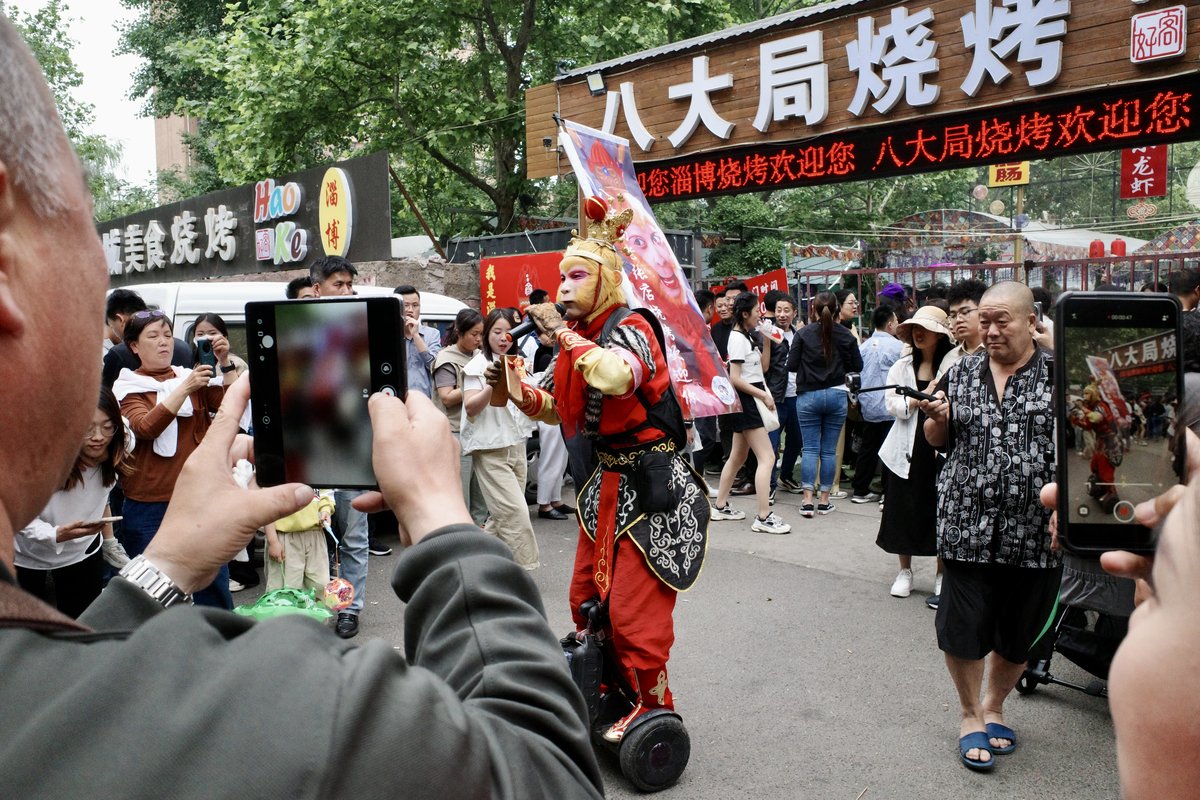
{"points": [[183, 302]]}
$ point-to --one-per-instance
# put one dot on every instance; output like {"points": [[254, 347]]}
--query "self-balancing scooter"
{"points": [[654, 751]]}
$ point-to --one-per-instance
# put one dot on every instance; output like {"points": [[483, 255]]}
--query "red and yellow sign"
{"points": [[1009, 174], [335, 214], [506, 281]]}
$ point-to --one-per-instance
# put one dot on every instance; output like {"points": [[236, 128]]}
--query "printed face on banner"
{"points": [[604, 168]]}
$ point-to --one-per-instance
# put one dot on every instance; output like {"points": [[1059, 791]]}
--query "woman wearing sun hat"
{"points": [[909, 524]]}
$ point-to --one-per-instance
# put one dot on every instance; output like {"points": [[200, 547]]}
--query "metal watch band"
{"points": [[151, 580]]}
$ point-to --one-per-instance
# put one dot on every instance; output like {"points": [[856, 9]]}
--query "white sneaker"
{"points": [[712, 491], [902, 587], [772, 524], [113, 553], [937, 584], [869, 497], [838, 494], [234, 586], [727, 512]]}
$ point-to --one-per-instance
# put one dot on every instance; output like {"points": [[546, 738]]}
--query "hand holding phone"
{"points": [[1112, 350]]}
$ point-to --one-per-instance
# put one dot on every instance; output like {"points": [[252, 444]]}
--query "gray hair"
{"points": [[31, 135]]}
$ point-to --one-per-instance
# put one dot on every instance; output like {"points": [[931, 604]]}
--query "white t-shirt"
{"points": [[750, 357], [494, 427]]}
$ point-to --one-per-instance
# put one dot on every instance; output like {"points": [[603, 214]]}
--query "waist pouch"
{"points": [[653, 480]]}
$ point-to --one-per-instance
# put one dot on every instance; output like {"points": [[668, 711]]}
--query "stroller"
{"points": [[1088, 625]]}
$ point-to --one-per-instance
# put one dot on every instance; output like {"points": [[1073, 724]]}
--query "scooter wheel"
{"points": [[654, 754], [1027, 684]]}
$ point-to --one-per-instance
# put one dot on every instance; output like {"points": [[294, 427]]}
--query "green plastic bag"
{"points": [[279, 602]]}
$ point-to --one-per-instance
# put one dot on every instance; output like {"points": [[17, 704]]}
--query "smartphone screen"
{"points": [[1118, 375], [318, 362]]}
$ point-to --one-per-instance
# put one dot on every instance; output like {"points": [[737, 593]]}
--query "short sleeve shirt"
{"points": [[742, 350], [1001, 454]]}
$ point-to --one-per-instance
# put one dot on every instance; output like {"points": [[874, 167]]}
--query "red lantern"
{"points": [[1117, 248], [1096, 249]]}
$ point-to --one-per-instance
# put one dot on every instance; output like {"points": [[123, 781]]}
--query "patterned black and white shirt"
{"points": [[1001, 453]]}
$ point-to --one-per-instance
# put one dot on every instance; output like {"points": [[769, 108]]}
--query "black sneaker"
{"points": [[932, 601], [377, 548], [789, 485]]}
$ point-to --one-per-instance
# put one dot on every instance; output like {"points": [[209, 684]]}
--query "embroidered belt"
{"points": [[616, 459]]}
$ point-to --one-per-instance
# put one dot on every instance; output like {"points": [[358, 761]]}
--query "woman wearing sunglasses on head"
{"points": [[168, 409]]}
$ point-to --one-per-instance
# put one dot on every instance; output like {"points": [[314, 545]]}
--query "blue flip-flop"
{"points": [[976, 741], [996, 730]]}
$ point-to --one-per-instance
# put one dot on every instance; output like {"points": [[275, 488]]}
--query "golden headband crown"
{"points": [[605, 230]]}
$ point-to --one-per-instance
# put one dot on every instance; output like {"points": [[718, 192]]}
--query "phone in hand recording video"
{"points": [[204, 352], [1118, 376], [314, 364]]}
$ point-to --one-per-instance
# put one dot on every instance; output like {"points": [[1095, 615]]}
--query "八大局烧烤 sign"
{"points": [[855, 90]]}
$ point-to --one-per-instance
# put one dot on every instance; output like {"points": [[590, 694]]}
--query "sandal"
{"points": [[976, 741], [997, 730]]}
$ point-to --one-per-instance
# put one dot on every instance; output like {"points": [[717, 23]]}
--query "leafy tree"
{"points": [[45, 31]]}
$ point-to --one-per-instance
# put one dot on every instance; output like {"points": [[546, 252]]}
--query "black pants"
{"points": [[706, 429], [871, 439], [74, 586]]}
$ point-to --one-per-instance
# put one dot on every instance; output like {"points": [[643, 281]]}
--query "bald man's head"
{"points": [[1017, 295], [32, 142], [1007, 322]]}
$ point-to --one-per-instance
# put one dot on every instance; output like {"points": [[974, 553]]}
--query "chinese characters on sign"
{"points": [[1104, 120], [1158, 34], [1148, 356], [1016, 174], [894, 61], [1144, 172]]}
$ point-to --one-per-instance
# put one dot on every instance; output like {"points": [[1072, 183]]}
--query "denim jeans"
{"points": [[351, 527], [822, 413], [789, 425], [141, 522]]}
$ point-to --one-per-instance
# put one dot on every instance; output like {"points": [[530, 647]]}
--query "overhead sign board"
{"points": [[276, 223], [815, 82]]}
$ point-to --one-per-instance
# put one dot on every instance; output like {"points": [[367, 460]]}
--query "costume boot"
{"points": [[653, 693]]}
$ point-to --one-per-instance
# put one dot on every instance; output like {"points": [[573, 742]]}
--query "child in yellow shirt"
{"points": [[297, 555]]}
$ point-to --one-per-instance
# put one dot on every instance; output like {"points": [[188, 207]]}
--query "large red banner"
{"points": [[1144, 172], [506, 281], [604, 168]]}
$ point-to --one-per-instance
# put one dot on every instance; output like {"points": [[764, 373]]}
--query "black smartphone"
{"points": [[314, 365], [204, 352], [1118, 371]]}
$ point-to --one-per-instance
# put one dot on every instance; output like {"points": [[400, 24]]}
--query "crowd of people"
{"points": [[154, 444]]}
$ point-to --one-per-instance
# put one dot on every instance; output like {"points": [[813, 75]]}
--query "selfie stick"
{"points": [[854, 383]]}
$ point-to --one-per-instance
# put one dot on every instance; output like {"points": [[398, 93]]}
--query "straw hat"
{"points": [[931, 318]]}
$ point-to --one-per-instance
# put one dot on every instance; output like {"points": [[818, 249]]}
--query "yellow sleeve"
{"points": [[601, 368]]}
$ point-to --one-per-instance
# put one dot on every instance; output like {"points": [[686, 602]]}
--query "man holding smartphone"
{"points": [[333, 276], [221, 706], [994, 415], [421, 342]]}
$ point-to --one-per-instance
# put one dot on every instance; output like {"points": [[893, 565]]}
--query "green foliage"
{"points": [[45, 31]]}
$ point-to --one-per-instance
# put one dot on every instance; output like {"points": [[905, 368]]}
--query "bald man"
{"points": [[994, 417]]}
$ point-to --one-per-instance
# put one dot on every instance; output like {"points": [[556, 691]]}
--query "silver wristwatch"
{"points": [[151, 580]]}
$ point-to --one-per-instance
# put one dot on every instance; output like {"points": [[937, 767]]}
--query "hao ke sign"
{"points": [[1158, 34], [821, 82], [267, 225]]}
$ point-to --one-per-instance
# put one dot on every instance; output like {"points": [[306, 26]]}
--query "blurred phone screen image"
{"points": [[324, 359], [1121, 382]]}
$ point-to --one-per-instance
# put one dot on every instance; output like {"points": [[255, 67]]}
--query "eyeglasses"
{"points": [[106, 429], [966, 312], [150, 314]]}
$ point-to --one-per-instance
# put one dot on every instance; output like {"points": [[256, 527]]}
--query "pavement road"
{"points": [[799, 676]]}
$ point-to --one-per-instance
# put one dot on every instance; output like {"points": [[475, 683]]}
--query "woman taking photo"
{"points": [[169, 410], [495, 438], [67, 541], [465, 338], [909, 524], [212, 327], [746, 359], [821, 354]]}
